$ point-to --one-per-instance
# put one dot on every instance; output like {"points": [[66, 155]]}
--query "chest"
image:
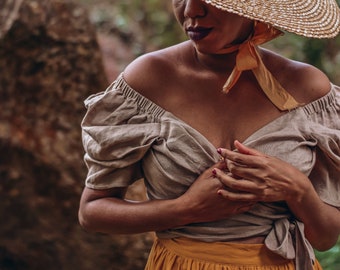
{"points": [[222, 118], [183, 154]]}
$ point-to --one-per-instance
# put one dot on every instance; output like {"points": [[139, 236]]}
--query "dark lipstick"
{"points": [[197, 33]]}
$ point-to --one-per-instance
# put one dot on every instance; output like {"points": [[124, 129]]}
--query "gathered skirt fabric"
{"points": [[187, 254]]}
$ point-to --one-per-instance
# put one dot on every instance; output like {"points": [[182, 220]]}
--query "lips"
{"points": [[197, 33]]}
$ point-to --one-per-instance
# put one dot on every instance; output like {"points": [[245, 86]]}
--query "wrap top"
{"points": [[127, 137]]}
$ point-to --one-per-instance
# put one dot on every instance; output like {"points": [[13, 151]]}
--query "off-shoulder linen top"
{"points": [[127, 137]]}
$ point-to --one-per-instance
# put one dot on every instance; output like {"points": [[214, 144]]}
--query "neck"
{"points": [[220, 63]]}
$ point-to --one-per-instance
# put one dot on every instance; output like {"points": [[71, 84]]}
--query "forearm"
{"points": [[322, 221], [117, 216], [106, 210]]}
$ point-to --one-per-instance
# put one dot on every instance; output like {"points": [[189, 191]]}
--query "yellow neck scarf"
{"points": [[248, 58]]}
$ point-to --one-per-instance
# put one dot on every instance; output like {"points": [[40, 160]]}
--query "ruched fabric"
{"points": [[127, 137], [182, 253]]}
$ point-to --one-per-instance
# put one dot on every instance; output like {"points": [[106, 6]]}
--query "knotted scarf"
{"points": [[248, 58]]}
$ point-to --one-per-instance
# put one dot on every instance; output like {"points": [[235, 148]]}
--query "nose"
{"points": [[194, 9]]}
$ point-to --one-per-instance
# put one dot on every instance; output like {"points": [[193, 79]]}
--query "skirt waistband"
{"points": [[188, 254], [223, 252]]}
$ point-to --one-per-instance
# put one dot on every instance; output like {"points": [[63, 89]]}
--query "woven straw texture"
{"points": [[309, 18]]}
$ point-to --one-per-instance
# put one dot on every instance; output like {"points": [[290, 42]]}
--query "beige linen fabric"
{"points": [[127, 137]]}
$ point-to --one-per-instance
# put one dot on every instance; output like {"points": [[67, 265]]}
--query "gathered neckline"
{"points": [[146, 105]]}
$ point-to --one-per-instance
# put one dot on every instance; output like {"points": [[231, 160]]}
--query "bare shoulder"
{"points": [[314, 83], [152, 71], [305, 82]]}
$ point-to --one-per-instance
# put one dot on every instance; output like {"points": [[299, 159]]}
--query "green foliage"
{"points": [[330, 260], [146, 25]]}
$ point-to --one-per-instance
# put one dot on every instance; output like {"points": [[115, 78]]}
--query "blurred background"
{"points": [[53, 54]]}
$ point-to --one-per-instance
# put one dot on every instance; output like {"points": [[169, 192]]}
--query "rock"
{"points": [[50, 62]]}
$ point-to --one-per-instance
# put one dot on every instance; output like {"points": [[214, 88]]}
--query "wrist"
{"points": [[301, 190], [303, 200], [183, 214]]}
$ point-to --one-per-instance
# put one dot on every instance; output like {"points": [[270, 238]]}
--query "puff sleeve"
{"points": [[116, 134], [325, 130]]}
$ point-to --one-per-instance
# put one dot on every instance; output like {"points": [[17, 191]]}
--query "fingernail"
{"points": [[214, 172], [219, 150]]}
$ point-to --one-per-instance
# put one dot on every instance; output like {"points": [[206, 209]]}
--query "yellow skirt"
{"points": [[187, 254]]}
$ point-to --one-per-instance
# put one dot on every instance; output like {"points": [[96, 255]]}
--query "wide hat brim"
{"points": [[309, 18]]}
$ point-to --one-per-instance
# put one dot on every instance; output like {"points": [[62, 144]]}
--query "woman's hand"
{"points": [[203, 202], [258, 177], [107, 211]]}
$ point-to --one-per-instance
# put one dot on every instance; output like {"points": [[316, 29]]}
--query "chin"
{"points": [[204, 48]]}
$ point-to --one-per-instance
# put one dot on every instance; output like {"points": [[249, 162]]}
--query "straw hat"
{"points": [[309, 18]]}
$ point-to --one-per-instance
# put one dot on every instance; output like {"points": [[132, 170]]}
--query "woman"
{"points": [[214, 202]]}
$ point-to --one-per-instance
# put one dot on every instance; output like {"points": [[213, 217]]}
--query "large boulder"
{"points": [[50, 62]]}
